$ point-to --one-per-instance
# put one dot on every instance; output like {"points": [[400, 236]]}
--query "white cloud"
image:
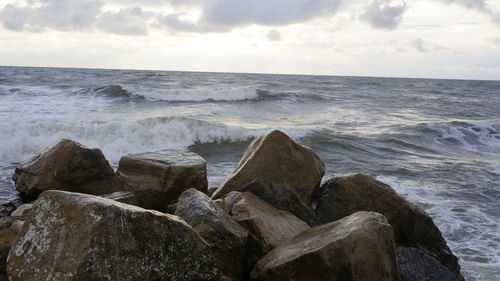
{"points": [[384, 14], [420, 45], [124, 22]]}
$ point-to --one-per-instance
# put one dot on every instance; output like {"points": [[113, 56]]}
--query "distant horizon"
{"points": [[251, 73]]}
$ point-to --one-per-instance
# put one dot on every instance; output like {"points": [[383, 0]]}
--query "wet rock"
{"points": [[416, 265], [227, 238], [284, 198], [65, 166], [23, 211], [73, 236], [275, 160], [169, 171], [358, 247], [413, 227], [268, 225], [9, 229]]}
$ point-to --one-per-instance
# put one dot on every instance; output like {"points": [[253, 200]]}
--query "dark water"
{"points": [[435, 141]]}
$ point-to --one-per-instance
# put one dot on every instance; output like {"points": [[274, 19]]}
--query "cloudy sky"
{"points": [[404, 38]]}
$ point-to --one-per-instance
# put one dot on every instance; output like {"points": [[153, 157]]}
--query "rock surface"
{"points": [[415, 265], [169, 171], [276, 160], [147, 199], [341, 197], [227, 238], [65, 166], [9, 229], [358, 247], [73, 236], [23, 211], [268, 225]]}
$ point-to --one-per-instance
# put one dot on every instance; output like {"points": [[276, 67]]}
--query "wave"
{"points": [[21, 140]]}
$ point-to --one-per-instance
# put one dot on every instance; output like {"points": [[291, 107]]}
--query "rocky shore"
{"points": [[275, 218]]}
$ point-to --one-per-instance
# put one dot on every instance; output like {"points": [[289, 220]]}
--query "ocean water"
{"points": [[437, 142]]}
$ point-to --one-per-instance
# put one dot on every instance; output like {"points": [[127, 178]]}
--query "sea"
{"points": [[436, 142]]}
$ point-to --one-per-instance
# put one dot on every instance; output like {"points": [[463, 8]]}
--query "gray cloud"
{"points": [[274, 35], [53, 14], [223, 15], [478, 5], [124, 22], [420, 45], [383, 14]]}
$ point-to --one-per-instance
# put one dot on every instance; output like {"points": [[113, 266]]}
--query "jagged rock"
{"points": [[358, 247], [416, 265], [169, 171], [268, 225], [341, 197], [65, 166], [275, 160], [73, 236], [23, 211], [9, 229], [227, 238], [284, 198], [147, 199]]}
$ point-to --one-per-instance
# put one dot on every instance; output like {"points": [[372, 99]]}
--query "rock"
{"points": [[227, 238], [275, 160], [172, 208], [413, 227], [147, 199], [73, 236], [23, 211], [358, 247], [65, 166], [9, 229], [170, 171], [268, 225], [284, 198], [416, 265]]}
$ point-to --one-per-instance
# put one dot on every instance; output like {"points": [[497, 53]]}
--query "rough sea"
{"points": [[437, 142]]}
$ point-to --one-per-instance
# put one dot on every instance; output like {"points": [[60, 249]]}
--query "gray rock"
{"points": [[227, 238], [413, 227], [73, 236], [416, 265]]}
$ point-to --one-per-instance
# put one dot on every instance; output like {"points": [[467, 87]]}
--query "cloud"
{"points": [[420, 45], [274, 35], [383, 14], [477, 5], [53, 14], [124, 22], [224, 15]]}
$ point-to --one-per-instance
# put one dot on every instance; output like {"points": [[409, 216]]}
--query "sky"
{"points": [[396, 38]]}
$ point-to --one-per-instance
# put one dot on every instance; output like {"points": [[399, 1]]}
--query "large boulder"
{"points": [[413, 227], [147, 199], [169, 171], [416, 265], [358, 247], [267, 225], [9, 230], [227, 238], [276, 161], [68, 166], [73, 236]]}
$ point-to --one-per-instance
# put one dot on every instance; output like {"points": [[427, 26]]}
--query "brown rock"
{"points": [[23, 211], [227, 238], [268, 225], [341, 197], [65, 166], [358, 247], [73, 236], [169, 171], [9, 229], [147, 199], [275, 160]]}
